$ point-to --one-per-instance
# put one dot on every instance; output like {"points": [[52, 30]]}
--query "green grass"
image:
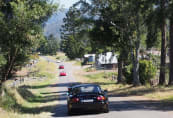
{"points": [[161, 93], [44, 69], [103, 79], [28, 99], [89, 69], [102, 75], [60, 56], [77, 63]]}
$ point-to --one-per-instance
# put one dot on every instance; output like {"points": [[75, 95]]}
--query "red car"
{"points": [[61, 67], [62, 74]]}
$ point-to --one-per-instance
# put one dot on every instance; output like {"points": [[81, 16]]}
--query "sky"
{"points": [[66, 3]]}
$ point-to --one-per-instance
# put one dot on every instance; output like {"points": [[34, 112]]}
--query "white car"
{"points": [[58, 61]]}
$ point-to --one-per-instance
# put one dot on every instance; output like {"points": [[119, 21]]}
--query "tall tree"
{"points": [[21, 28], [171, 45], [163, 44], [74, 32]]}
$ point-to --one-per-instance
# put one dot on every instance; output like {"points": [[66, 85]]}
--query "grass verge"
{"points": [[77, 63], [34, 99], [161, 93]]}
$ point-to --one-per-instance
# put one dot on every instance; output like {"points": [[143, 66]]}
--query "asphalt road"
{"points": [[120, 107]]}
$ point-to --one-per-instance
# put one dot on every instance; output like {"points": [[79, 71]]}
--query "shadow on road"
{"points": [[139, 105], [60, 110]]}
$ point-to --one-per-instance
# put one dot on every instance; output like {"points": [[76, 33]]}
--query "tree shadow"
{"points": [[52, 85], [125, 92], [45, 93], [60, 110], [148, 105], [30, 97]]}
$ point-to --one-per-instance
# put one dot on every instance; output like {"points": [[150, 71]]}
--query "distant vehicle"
{"points": [[61, 67], [62, 74], [87, 97], [58, 61]]}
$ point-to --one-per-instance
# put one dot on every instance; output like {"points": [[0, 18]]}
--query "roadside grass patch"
{"points": [[161, 93], [28, 100], [61, 56], [44, 69], [7, 101], [89, 69], [77, 63], [99, 78]]}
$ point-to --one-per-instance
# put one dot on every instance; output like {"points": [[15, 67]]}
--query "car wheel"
{"points": [[106, 109], [69, 111]]}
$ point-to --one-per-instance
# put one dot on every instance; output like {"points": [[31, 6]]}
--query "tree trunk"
{"points": [[120, 67], [8, 68], [163, 57], [10, 64], [163, 46], [136, 81], [171, 53]]}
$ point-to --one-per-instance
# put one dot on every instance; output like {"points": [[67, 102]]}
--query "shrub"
{"points": [[57, 57], [127, 72], [8, 101], [146, 72]]}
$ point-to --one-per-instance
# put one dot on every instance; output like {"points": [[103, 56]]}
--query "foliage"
{"points": [[34, 56], [50, 45], [7, 101], [21, 24], [44, 69], [75, 33], [25, 101], [2, 60], [146, 72], [122, 26], [72, 48]]}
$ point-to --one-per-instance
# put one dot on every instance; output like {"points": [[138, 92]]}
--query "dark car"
{"points": [[61, 67], [87, 97]]}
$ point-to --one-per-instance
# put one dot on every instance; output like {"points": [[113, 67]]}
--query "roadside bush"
{"points": [[34, 56], [8, 101], [146, 72], [127, 72], [57, 57]]}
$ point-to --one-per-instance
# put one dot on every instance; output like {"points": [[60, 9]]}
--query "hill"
{"points": [[54, 24]]}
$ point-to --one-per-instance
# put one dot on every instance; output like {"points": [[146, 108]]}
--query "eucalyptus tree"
{"points": [[110, 26], [21, 28], [74, 32], [162, 17], [50, 45], [156, 23], [171, 43]]}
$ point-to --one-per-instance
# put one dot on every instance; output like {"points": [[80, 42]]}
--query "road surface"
{"points": [[120, 107]]}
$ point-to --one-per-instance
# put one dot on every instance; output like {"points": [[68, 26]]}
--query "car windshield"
{"points": [[87, 89]]}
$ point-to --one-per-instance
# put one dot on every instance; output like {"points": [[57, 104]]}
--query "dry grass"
{"points": [[31, 102], [149, 92]]}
